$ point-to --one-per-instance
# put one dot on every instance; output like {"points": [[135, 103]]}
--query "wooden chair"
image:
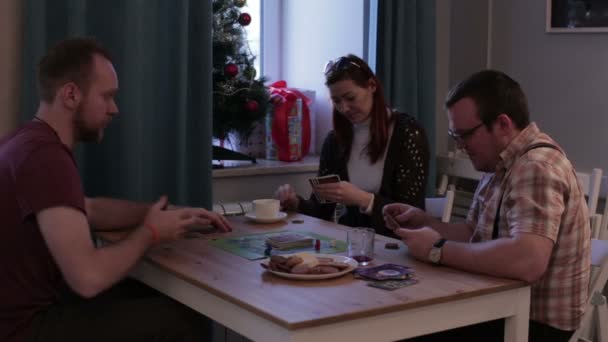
{"points": [[590, 183], [441, 207], [596, 313], [601, 232], [456, 173], [452, 167], [596, 225], [455, 167]]}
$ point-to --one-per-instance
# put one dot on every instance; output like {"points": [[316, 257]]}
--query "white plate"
{"points": [[352, 263], [281, 216]]}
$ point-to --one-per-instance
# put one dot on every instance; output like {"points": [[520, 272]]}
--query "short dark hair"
{"points": [[494, 93], [71, 60], [360, 73]]}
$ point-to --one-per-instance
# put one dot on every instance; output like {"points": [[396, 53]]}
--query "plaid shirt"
{"points": [[541, 195]]}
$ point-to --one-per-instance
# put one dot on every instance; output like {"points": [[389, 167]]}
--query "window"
{"points": [[254, 31]]}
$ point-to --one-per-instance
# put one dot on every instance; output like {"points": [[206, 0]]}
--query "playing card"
{"points": [[391, 285], [384, 272], [323, 180], [328, 179], [391, 223], [289, 240]]}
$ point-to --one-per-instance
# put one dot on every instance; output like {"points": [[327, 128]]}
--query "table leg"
{"points": [[516, 326]]}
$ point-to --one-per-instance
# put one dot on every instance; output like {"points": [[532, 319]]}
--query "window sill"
{"points": [[266, 167], [244, 181]]}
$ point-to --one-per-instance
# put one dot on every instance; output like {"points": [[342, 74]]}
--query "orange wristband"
{"points": [[155, 237]]}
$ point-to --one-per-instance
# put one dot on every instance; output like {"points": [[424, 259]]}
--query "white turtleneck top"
{"points": [[361, 171]]}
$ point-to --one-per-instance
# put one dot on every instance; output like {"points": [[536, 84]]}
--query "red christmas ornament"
{"points": [[252, 106], [244, 19], [231, 70]]}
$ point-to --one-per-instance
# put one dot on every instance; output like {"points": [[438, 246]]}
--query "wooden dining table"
{"points": [[241, 295]]}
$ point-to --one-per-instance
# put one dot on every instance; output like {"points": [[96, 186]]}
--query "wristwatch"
{"points": [[435, 253]]}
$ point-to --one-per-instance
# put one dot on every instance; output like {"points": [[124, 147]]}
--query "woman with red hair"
{"points": [[380, 155]]}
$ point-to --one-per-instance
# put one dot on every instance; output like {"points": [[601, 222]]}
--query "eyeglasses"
{"points": [[461, 136], [338, 64]]}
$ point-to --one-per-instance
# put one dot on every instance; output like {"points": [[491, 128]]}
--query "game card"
{"points": [[323, 180], [391, 285], [384, 272]]}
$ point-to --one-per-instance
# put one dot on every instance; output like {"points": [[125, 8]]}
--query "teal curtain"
{"points": [[160, 143], [405, 63]]}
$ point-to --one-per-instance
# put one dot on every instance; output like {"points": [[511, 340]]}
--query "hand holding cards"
{"points": [[323, 180]]}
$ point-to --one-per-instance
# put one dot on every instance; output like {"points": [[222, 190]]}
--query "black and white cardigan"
{"points": [[404, 177]]}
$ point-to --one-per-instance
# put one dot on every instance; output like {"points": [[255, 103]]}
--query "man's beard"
{"points": [[82, 132]]}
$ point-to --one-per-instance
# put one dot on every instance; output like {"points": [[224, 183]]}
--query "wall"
{"points": [[468, 38], [442, 76], [565, 76], [10, 63]]}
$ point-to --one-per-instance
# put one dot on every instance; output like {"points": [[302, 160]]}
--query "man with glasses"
{"points": [[528, 219]]}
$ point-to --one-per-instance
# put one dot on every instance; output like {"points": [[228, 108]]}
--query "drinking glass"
{"points": [[360, 243]]}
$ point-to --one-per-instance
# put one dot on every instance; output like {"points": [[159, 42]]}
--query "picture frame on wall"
{"points": [[576, 16]]}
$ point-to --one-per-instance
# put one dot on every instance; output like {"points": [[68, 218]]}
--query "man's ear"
{"points": [[70, 95], [504, 122]]}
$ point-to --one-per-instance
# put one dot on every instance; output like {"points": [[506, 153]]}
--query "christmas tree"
{"points": [[239, 100]]}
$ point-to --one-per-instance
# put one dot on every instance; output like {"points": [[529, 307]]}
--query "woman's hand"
{"points": [[344, 192], [288, 197]]}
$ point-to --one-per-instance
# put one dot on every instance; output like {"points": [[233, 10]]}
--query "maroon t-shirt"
{"points": [[36, 172]]}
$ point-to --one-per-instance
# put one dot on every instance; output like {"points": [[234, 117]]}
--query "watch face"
{"points": [[435, 255]]}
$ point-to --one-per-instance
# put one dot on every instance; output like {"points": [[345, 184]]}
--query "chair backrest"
{"points": [[453, 166], [602, 231], [596, 221], [596, 302], [590, 183], [441, 207]]}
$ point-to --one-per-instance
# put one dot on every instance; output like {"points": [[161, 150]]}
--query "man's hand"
{"points": [[172, 224], [398, 215], [217, 220], [418, 241]]}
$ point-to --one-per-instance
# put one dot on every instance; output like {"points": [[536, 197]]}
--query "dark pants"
{"points": [[493, 331], [129, 311]]}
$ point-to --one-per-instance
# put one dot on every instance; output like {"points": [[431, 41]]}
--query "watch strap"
{"points": [[439, 243]]}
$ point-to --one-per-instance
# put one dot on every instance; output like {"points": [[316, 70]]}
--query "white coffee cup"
{"points": [[266, 208]]}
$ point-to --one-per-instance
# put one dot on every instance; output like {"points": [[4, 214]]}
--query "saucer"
{"points": [[281, 216]]}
